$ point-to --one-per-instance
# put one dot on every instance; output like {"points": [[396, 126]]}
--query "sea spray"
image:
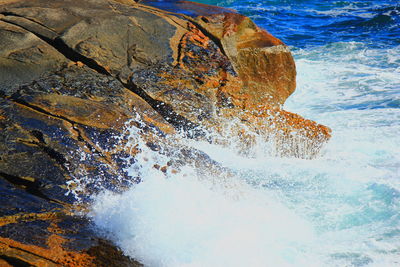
{"points": [[197, 216], [339, 209], [184, 220]]}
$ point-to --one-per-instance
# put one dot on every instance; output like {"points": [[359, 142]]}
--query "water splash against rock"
{"points": [[339, 209]]}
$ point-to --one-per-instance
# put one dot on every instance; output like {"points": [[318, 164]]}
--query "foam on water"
{"points": [[180, 221]]}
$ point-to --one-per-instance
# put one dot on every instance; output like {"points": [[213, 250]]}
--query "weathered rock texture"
{"points": [[74, 73]]}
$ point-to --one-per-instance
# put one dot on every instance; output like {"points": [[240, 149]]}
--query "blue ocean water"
{"points": [[340, 209], [305, 23]]}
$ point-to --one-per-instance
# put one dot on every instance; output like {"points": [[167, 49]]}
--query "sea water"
{"points": [[340, 209]]}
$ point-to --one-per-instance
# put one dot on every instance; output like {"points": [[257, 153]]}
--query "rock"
{"points": [[51, 140], [170, 68], [74, 75], [264, 65], [24, 56], [251, 75], [50, 241]]}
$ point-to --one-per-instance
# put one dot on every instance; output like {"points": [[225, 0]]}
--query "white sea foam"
{"points": [[181, 221], [341, 209]]}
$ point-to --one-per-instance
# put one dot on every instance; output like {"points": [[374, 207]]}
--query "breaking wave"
{"points": [[339, 209]]}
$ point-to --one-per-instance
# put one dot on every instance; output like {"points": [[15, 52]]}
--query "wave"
{"points": [[351, 76], [340, 209]]}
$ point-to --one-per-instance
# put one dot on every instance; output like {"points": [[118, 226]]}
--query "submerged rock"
{"points": [[75, 74]]}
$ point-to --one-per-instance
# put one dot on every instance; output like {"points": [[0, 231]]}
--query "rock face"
{"points": [[264, 69], [73, 74]]}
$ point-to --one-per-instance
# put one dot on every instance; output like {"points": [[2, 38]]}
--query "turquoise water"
{"points": [[340, 209]]}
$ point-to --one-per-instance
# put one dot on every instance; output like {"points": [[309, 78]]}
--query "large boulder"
{"points": [[75, 75], [263, 66]]}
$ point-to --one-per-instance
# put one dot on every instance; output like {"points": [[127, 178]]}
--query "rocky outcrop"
{"points": [[51, 136], [74, 74], [264, 69]]}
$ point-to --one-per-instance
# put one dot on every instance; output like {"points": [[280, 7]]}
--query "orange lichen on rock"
{"points": [[192, 35], [195, 34], [54, 251], [86, 112], [53, 255], [292, 135], [264, 64], [26, 217]]}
